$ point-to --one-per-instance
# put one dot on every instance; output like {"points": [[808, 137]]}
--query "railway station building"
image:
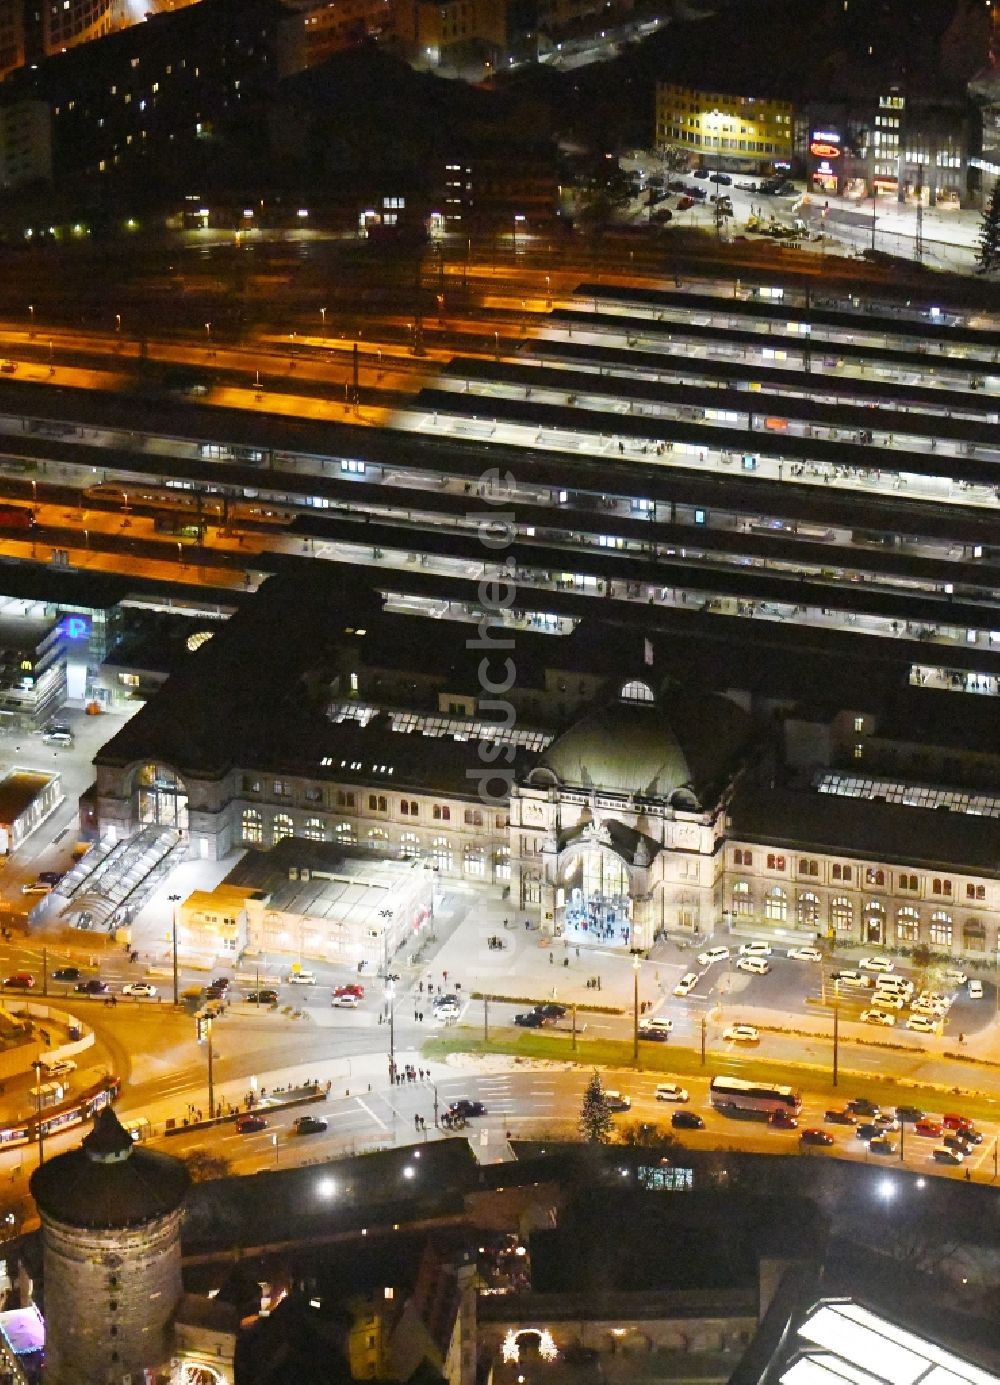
{"points": [[617, 800]]}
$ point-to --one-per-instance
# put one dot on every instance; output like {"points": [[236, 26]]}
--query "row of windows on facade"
{"points": [[377, 839], [710, 142], [873, 876], [842, 915], [378, 803]]}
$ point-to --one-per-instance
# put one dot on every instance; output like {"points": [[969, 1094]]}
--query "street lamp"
{"points": [[208, 332], [174, 900], [836, 1028], [714, 122], [31, 319], [118, 322], [636, 964], [322, 313], [390, 1000]]}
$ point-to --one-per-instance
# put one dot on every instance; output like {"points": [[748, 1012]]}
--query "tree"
{"points": [[988, 253], [595, 1114], [203, 1165], [643, 1135]]}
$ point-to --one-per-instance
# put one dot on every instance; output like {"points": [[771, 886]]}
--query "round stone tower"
{"points": [[111, 1216]]}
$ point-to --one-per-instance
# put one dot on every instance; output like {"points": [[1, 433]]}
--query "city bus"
{"points": [[737, 1094]]}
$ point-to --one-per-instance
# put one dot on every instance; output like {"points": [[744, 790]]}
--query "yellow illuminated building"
{"points": [[715, 126]]}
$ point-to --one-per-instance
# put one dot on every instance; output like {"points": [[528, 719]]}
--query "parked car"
{"points": [[922, 1024], [352, 988], [464, 1106], [21, 981], [309, 1125], [712, 955], [248, 1124], [723, 179], [675, 185], [139, 988], [742, 1034], [909, 1114], [687, 1120], [220, 984], [928, 1128], [301, 978], [783, 1120], [92, 987], [755, 950], [852, 980], [975, 989], [861, 1106], [264, 997], [876, 964], [655, 1028], [617, 1101], [887, 1000], [669, 1091], [345, 1002], [66, 974], [882, 1145], [50, 877], [805, 954], [814, 1136], [550, 1010], [686, 984], [943, 1155], [951, 1120], [685, 204], [868, 1130], [530, 1019], [699, 173], [953, 975], [958, 1143], [882, 1017], [844, 1117]]}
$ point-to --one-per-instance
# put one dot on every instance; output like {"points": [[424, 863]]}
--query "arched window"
{"points": [[281, 827], [742, 903], [501, 863], [637, 691], [941, 930], [841, 914], [907, 924], [252, 826], [441, 853], [474, 860], [409, 845], [344, 834], [378, 839], [807, 909], [314, 830], [776, 905]]}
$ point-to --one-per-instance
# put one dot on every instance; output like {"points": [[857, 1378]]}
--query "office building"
{"points": [[720, 129]]}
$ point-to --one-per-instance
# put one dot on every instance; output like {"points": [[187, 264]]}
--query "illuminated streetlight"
{"points": [[118, 322], [322, 313], [31, 318]]}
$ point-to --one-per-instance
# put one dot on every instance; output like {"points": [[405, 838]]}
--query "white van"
{"points": [[894, 985], [757, 966]]}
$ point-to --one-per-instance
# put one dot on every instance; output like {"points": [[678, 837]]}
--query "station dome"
{"points": [[675, 746]]}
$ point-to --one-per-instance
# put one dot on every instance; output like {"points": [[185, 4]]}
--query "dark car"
{"points": [[844, 1117], [700, 173], [676, 185], [92, 987], [309, 1125], [783, 1120], [868, 1131], [220, 983], [970, 1134], [723, 179], [246, 1125], [550, 1011], [66, 974], [51, 877], [464, 1107], [531, 1020], [815, 1137], [687, 1120], [882, 1145], [267, 997], [861, 1106], [909, 1114], [957, 1142]]}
